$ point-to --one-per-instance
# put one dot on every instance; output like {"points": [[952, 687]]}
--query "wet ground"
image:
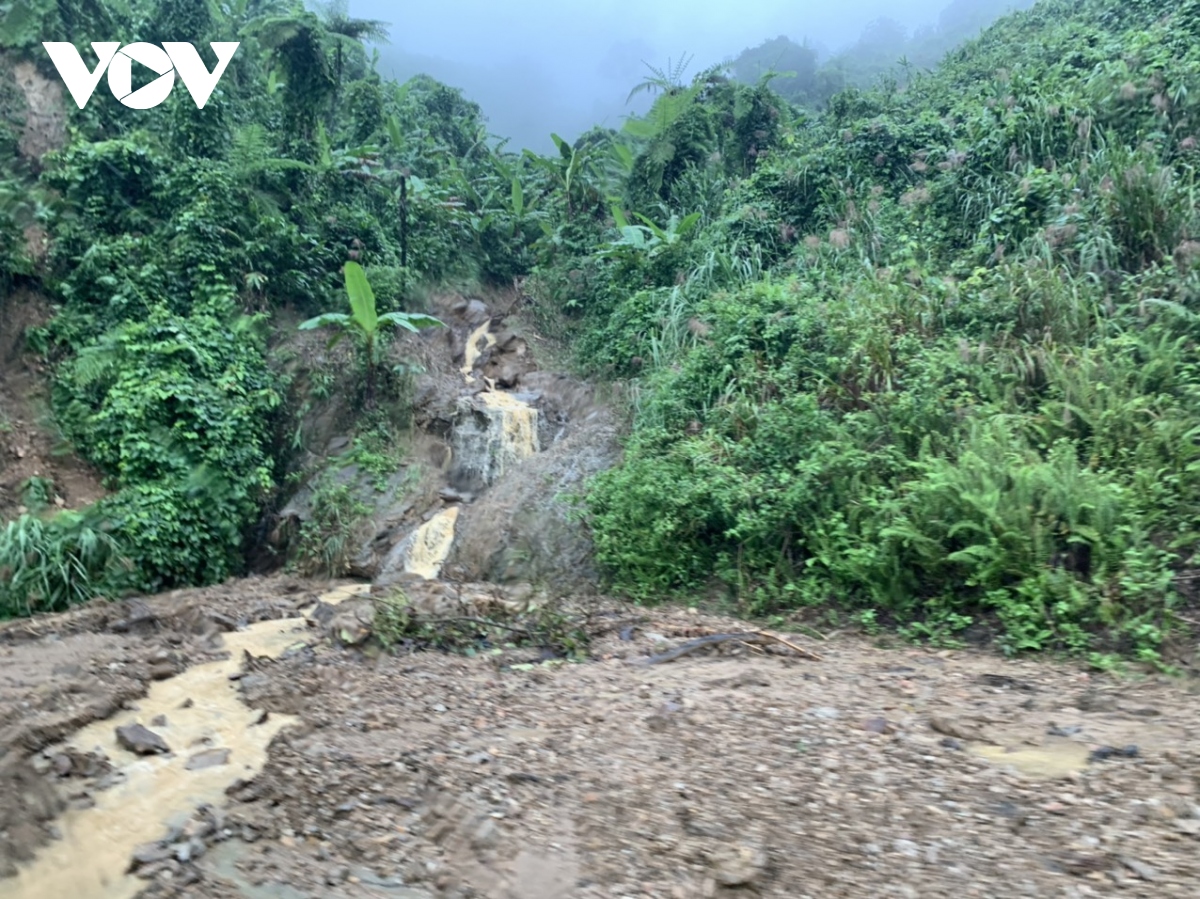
{"points": [[871, 772]]}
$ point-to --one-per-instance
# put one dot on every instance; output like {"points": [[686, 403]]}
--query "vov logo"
{"points": [[171, 59]]}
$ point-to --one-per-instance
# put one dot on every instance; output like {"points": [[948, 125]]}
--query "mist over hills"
{"points": [[537, 68]]}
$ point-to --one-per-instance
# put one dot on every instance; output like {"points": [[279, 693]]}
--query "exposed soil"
{"points": [[29, 444], [428, 774], [496, 436], [45, 125]]}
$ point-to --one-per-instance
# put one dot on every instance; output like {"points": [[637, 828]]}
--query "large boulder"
{"points": [[521, 529]]}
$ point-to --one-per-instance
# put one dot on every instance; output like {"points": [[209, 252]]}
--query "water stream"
{"points": [[202, 707], [473, 349], [424, 550], [158, 792]]}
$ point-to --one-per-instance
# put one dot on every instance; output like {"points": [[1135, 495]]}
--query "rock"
{"points": [[825, 712], [163, 669], [1141, 869], [738, 865], [486, 835], [475, 312], [907, 848], [1055, 731], [877, 726], [1108, 752], [1004, 682], [158, 721], [1080, 864], [81, 801], [508, 374], [351, 622], [141, 740], [505, 340], [187, 850], [148, 854], [209, 758], [957, 729], [1189, 827], [1093, 700]]}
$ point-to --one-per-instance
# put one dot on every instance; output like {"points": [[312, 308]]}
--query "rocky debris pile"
{"points": [[60, 673], [440, 775], [171, 861], [500, 442]]}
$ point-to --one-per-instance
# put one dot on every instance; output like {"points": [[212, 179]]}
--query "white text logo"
{"points": [[173, 57]]}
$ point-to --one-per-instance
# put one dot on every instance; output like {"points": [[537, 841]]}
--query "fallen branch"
{"points": [[748, 637], [482, 622], [806, 653]]}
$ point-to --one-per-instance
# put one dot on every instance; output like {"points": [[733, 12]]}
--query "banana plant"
{"points": [[366, 324], [569, 172], [648, 238]]}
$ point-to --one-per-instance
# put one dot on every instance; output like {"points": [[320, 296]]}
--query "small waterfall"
{"points": [[493, 432], [424, 550], [472, 351]]}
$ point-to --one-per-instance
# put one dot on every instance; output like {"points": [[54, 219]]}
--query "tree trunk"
{"points": [[404, 221], [369, 397]]}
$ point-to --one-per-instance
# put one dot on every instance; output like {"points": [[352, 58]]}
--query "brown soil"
{"points": [[428, 774], [30, 446]]}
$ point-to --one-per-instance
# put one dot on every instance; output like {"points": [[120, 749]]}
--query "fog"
{"points": [[542, 66]]}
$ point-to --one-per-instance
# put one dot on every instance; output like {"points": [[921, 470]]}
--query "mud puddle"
{"points": [[1054, 760], [1055, 755], [203, 715]]}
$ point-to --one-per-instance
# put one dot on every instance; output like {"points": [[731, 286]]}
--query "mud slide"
{"points": [[179, 748], [253, 741], [874, 772]]}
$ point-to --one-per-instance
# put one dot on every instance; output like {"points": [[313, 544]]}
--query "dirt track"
{"points": [[435, 775]]}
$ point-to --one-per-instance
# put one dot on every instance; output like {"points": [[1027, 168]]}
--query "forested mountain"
{"points": [[886, 48], [925, 356]]}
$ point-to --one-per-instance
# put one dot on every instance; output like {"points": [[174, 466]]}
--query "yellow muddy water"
{"points": [[473, 349], [431, 544], [157, 792], [1056, 759], [515, 426], [513, 429]]}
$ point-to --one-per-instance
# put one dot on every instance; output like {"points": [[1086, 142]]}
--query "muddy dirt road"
{"points": [[872, 772]]}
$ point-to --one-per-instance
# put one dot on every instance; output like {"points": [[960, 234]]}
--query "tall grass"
{"points": [[48, 565]]}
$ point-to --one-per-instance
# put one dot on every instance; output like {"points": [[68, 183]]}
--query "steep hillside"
{"points": [[927, 358], [924, 359], [177, 240]]}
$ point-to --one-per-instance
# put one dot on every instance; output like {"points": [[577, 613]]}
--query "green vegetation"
{"points": [[799, 73], [927, 356], [366, 324], [178, 234], [921, 353]]}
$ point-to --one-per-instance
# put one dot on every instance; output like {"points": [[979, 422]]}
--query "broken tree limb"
{"points": [[748, 637]]}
